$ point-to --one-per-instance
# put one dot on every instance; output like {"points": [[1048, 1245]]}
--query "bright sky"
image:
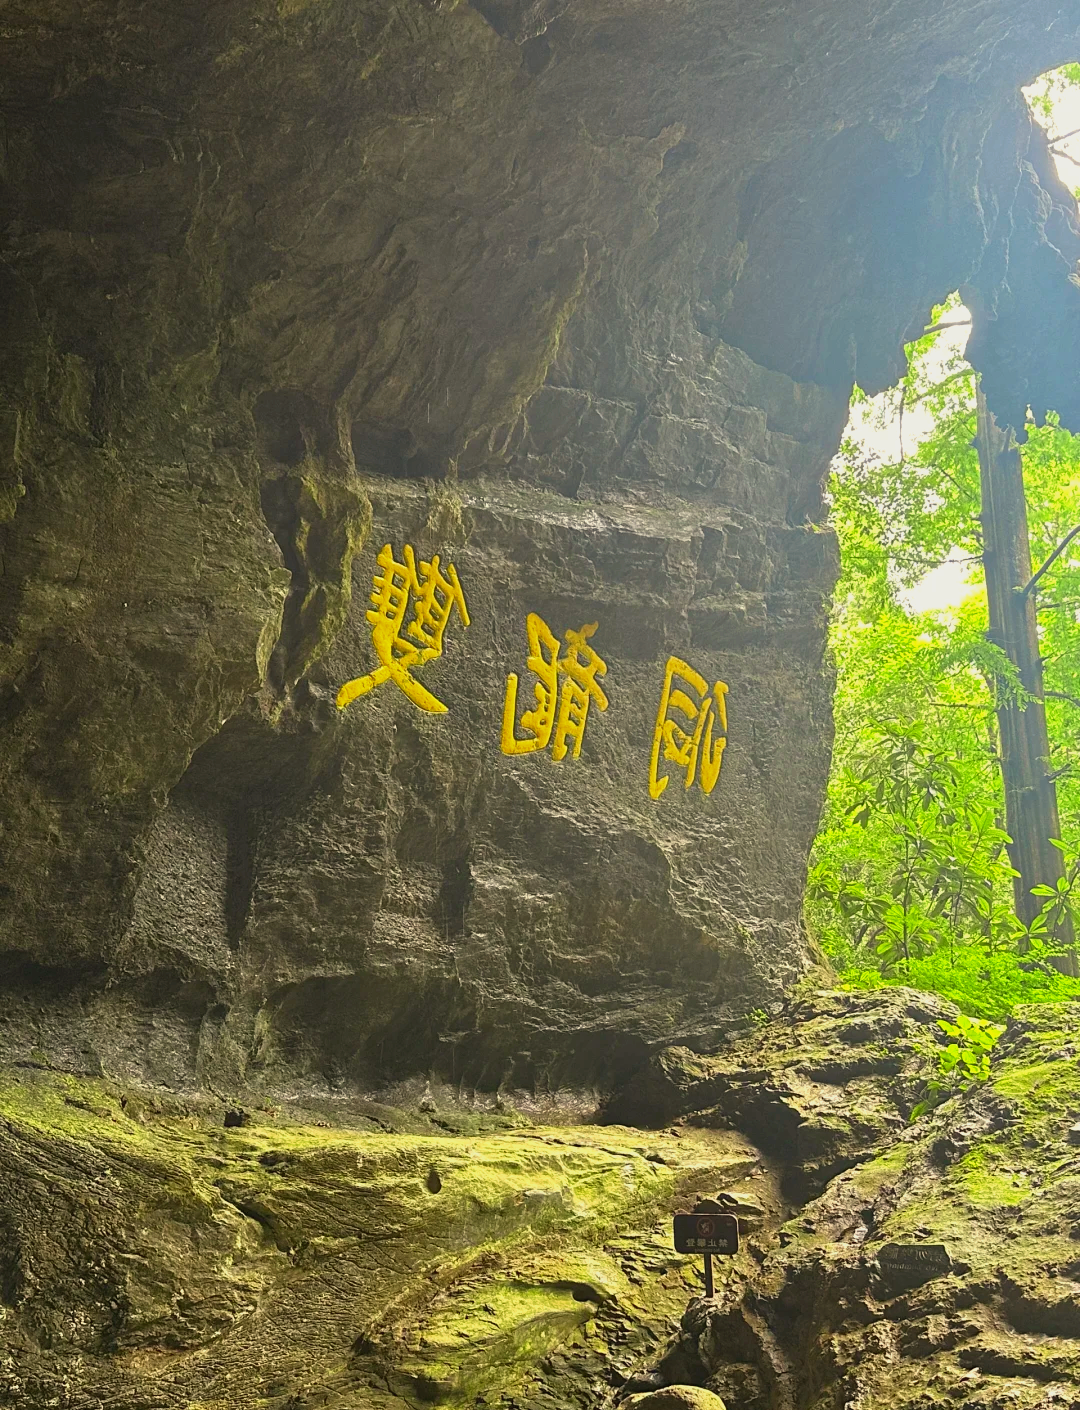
{"points": [[945, 587]]}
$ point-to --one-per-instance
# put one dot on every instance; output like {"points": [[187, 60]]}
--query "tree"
{"points": [[1031, 804], [911, 869]]}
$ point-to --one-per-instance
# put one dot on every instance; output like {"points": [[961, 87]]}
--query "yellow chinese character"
{"points": [[690, 745], [400, 648], [565, 687]]}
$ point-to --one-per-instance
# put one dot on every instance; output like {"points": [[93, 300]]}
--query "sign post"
{"points": [[903, 1267], [707, 1231]]}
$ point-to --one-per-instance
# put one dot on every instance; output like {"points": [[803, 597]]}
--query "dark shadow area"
{"points": [[454, 896], [286, 424], [396, 453]]}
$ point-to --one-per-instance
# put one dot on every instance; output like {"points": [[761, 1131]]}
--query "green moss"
{"points": [[330, 520], [445, 523], [85, 1109], [490, 1187], [989, 1181], [870, 1179], [491, 1333], [271, 629], [1044, 1078], [1028, 1155], [1042, 1083], [463, 1260]]}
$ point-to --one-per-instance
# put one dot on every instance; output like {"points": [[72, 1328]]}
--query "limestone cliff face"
{"points": [[571, 297]]}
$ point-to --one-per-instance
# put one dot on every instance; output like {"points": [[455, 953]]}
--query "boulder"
{"points": [[677, 1398]]}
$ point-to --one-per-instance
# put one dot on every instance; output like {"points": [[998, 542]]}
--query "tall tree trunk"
{"points": [[1031, 811]]}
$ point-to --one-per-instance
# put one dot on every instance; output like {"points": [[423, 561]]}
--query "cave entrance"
{"points": [[949, 850]]}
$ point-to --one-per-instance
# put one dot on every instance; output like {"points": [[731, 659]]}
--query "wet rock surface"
{"points": [[820, 1087], [989, 1181], [159, 1254], [571, 296]]}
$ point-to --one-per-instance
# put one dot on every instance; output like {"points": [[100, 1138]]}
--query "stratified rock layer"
{"points": [[156, 1257], [161, 1254], [820, 1091], [990, 1178], [569, 297]]}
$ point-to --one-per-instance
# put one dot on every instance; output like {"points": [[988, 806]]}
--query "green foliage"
{"points": [[910, 878], [929, 867], [1045, 91], [963, 1062], [968, 1055], [985, 985]]}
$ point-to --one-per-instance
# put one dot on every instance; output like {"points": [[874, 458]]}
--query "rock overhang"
{"points": [[573, 297]]}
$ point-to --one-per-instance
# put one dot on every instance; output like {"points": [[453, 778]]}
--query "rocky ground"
{"points": [[991, 1175], [163, 1251]]}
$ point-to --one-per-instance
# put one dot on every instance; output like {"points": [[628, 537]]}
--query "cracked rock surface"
{"points": [[163, 1252], [989, 1178]]}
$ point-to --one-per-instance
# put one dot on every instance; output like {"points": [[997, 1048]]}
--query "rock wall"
{"points": [[571, 298]]}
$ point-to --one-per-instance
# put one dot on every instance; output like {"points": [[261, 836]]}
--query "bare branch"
{"points": [[952, 377], [952, 478], [1061, 695], [959, 705], [1062, 546]]}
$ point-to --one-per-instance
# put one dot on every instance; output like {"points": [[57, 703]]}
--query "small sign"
{"points": [[706, 1233], [913, 1264]]}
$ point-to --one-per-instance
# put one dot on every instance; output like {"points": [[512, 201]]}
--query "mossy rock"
{"points": [[481, 1336], [821, 1087], [994, 1177], [676, 1398], [270, 1259]]}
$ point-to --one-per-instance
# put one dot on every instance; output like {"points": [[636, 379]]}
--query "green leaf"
{"points": [[911, 880]]}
